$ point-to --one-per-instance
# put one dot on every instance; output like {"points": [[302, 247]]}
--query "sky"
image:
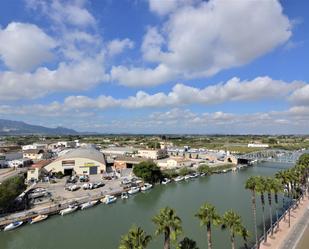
{"points": [[156, 66]]}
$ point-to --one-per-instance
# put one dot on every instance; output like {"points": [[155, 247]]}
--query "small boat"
{"points": [[166, 181], [187, 177], [108, 199], [146, 187], [203, 174], [194, 175], [124, 195], [133, 190], [179, 178], [88, 204], [39, 218], [68, 210], [13, 225]]}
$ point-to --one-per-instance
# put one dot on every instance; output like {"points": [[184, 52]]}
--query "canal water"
{"points": [[102, 226]]}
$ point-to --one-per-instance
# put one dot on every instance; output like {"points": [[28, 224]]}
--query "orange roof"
{"points": [[41, 164]]}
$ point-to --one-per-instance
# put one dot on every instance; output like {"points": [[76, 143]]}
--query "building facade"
{"points": [[80, 162]]}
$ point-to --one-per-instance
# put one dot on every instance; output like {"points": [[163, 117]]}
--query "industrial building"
{"points": [[79, 161]]}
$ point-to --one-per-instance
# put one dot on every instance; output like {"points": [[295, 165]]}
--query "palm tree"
{"points": [[269, 189], [136, 238], [244, 233], [251, 184], [208, 215], [187, 243], [169, 224], [232, 221], [261, 188], [276, 187]]}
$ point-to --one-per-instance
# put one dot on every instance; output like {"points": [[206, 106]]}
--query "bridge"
{"points": [[273, 155]]}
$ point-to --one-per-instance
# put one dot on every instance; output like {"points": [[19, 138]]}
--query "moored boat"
{"points": [[188, 177], [13, 225], [39, 218], [166, 181], [133, 190], [178, 178], [124, 195], [108, 199], [68, 210], [146, 187], [88, 204]]}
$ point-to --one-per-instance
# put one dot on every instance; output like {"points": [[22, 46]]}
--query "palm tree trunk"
{"points": [[209, 239], [253, 202], [233, 241], [167, 244], [270, 213], [263, 214], [277, 215]]}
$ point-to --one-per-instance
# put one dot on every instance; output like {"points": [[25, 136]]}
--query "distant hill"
{"points": [[9, 127]]}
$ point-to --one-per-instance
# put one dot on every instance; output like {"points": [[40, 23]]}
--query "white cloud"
{"points": [[64, 12], [117, 46], [75, 76], [24, 46], [200, 40], [233, 90], [141, 76], [300, 96], [163, 7]]}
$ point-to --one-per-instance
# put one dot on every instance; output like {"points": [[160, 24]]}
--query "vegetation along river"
{"points": [[102, 226]]}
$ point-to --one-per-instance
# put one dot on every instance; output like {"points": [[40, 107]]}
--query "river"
{"points": [[102, 226]]}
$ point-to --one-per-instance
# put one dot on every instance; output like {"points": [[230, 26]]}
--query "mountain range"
{"points": [[10, 127]]}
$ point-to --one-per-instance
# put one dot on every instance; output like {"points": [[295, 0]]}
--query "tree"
{"points": [[187, 243], [148, 171], [261, 188], [232, 221], [169, 224], [276, 188], [208, 215], [251, 184], [244, 233], [10, 189], [184, 171], [136, 238], [204, 168], [269, 189]]}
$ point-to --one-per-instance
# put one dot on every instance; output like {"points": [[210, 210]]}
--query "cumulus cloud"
{"points": [[165, 7], [136, 76], [64, 12], [24, 46], [200, 40], [300, 96], [67, 76], [117, 46]]}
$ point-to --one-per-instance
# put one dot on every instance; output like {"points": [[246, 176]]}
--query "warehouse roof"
{"points": [[92, 154]]}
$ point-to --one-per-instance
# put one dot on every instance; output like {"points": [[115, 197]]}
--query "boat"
{"points": [[187, 177], [146, 187], [133, 190], [179, 178], [108, 199], [13, 225], [166, 181], [124, 195], [68, 210], [39, 218], [194, 175], [88, 204], [203, 174]]}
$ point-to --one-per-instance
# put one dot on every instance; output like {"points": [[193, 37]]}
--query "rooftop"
{"points": [[89, 153]]}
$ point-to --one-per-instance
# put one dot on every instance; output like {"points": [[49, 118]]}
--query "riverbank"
{"points": [[286, 237]]}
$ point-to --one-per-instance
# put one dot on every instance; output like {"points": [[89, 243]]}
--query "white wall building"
{"points": [[258, 145], [152, 154]]}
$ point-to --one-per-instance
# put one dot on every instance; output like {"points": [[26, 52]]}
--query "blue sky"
{"points": [[154, 66]]}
